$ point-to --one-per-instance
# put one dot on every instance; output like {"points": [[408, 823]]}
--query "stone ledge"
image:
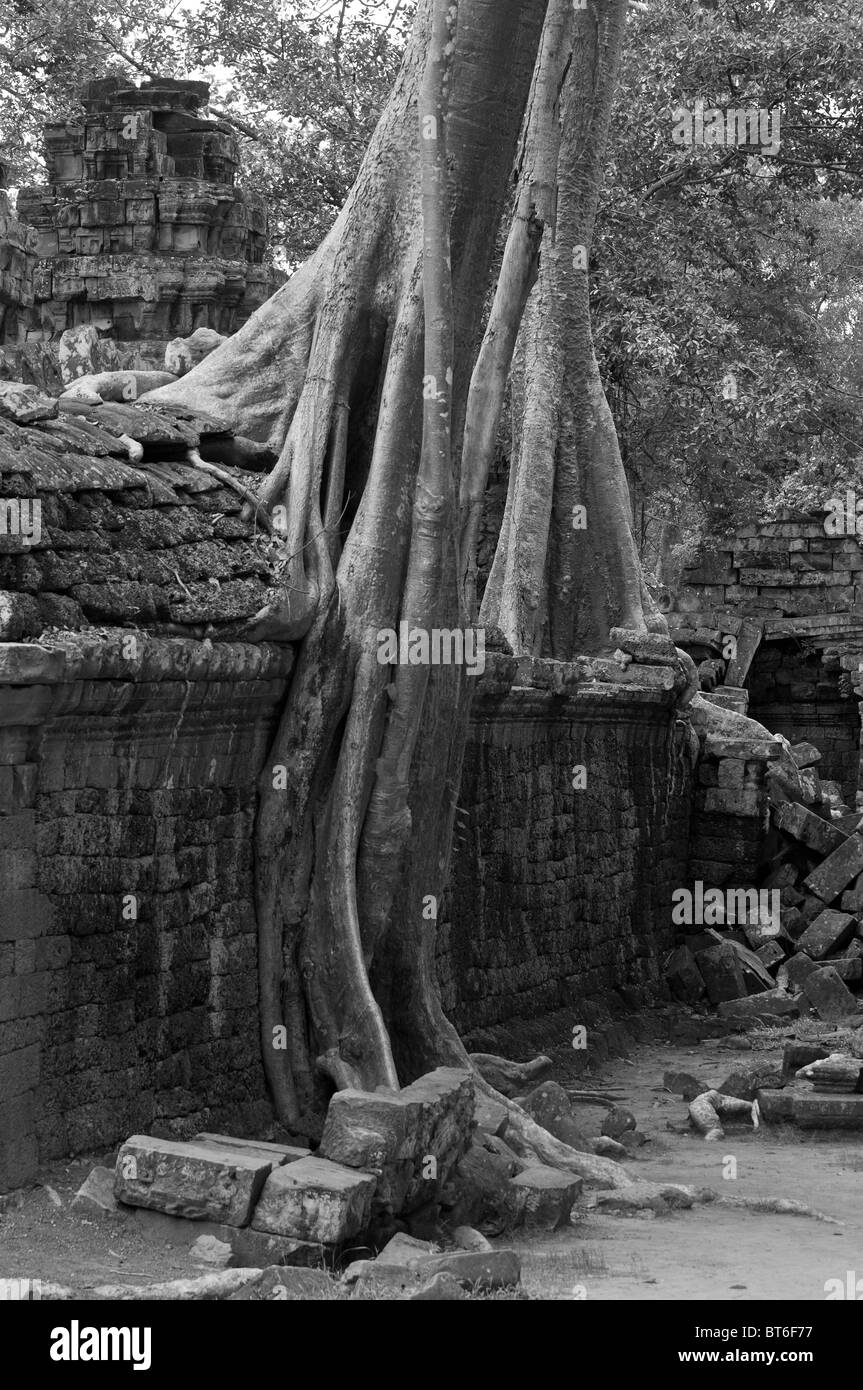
{"points": [[70, 657]]}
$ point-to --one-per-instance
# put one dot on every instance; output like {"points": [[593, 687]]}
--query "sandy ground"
{"points": [[709, 1252], [705, 1253]]}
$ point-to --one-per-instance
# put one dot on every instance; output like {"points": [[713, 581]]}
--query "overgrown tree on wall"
{"points": [[370, 374]]}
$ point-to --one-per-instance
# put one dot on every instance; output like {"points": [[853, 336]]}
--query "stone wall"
{"points": [[560, 895], [128, 945], [128, 973]]}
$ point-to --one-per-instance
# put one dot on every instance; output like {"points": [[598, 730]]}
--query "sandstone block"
{"points": [[315, 1200], [837, 871], [828, 932], [828, 994], [803, 825], [197, 1181], [542, 1198]]}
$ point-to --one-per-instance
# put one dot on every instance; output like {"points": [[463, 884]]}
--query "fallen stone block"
{"points": [[828, 1112], [440, 1119], [366, 1130], [805, 754], [852, 898], [775, 1104], [794, 971], [828, 995], [276, 1154], [402, 1249], [837, 871], [770, 954], [479, 1269], [829, 931], [722, 973], [288, 1285], [794, 923], [541, 1198], [848, 968], [479, 1188], [200, 1182], [684, 977], [95, 1196], [771, 1004], [799, 1054], [315, 1200], [803, 825], [836, 1072]]}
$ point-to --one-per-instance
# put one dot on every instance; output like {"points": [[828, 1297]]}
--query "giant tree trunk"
{"points": [[566, 568], [360, 372], [354, 835]]}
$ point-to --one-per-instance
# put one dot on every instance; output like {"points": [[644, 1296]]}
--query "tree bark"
{"points": [[566, 568]]}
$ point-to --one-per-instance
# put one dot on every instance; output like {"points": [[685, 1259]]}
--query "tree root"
{"points": [[510, 1078], [706, 1109], [664, 1197]]}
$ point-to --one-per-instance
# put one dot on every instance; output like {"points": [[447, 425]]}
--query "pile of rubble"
{"points": [[791, 941], [813, 1089], [397, 1177]]}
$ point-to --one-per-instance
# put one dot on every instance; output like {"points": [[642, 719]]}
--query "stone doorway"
{"points": [[801, 692]]}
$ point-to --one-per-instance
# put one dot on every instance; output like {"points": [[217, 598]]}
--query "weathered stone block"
{"points": [[722, 973], [805, 754], [770, 1004], [845, 863], [196, 1181], [315, 1200], [828, 995], [367, 1130], [828, 1112], [775, 1104], [542, 1198], [803, 825], [829, 931], [795, 970]]}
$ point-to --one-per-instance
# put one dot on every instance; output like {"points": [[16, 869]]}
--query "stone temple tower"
{"points": [[142, 231]]}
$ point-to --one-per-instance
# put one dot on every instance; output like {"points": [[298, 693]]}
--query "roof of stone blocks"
{"points": [[151, 543]]}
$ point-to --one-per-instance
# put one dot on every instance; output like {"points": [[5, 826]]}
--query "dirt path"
{"points": [[709, 1252]]}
